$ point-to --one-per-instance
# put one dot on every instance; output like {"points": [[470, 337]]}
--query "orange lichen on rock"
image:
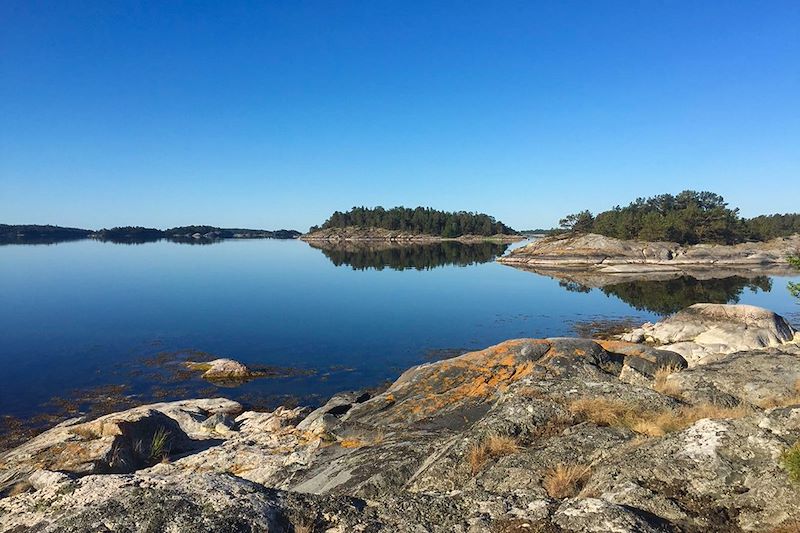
{"points": [[475, 375]]}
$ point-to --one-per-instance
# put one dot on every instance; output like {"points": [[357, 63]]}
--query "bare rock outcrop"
{"points": [[555, 435], [703, 331], [607, 259], [118, 442]]}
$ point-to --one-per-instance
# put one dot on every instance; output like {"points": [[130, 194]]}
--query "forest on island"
{"points": [[690, 217], [423, 220]]}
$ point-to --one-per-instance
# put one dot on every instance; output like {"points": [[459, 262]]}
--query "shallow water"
{"points": [[81, 316]]}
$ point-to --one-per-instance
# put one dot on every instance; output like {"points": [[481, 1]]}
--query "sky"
{"points": [[274, 114]]}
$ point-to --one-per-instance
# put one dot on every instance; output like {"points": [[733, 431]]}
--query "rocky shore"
{"points": [[342, 235], [688, 425], [597, 260]]}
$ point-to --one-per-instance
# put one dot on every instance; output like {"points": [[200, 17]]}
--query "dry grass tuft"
{"points": [[530, 391], [237, 469], [783, 401], [603, 412], [378, 438], [663, 385], [566, 481], [85, 432], [554, 426], [491, 447], [375, 439], [615, 413], [352, 442]]}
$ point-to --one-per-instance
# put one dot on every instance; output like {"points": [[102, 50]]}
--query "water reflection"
{"points": [[380, 255], [670, 296], [147, 240], [6, 240]]}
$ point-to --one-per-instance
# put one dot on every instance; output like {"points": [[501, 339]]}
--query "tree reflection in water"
{"points": [[670, 296], [380, 255]]}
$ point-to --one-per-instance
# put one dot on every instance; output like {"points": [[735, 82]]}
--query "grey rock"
{"points": [[703, 331], [473, 443], [614, 257]]}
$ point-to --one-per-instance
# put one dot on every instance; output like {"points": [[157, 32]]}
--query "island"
{"points": [[664, 237], [401, 224], [687, 425], [608, 260], [47, 234], [40, 234], [189, 234]]}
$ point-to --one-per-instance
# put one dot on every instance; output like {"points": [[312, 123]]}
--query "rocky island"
{"points": [[689, 425], [366, 234], [404, 225], [663, 237], [597, 260]]}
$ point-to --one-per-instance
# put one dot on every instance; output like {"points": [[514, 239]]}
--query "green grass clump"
{"points": [[791, 462], [159, 447]]}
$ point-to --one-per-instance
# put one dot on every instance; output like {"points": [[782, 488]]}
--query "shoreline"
{"points": [[606, 255], [501, 424], [593, 277]]}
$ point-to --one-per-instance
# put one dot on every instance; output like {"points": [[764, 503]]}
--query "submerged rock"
{"points": [[529, 435]]}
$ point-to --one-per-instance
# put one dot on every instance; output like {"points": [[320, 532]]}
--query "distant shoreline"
{"points": [[47, 234]]}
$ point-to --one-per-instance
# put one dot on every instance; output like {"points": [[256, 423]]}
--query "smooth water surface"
{"points": [[78, 316]]}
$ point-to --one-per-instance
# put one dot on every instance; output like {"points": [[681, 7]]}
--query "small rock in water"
{"points": [[223, 369]]}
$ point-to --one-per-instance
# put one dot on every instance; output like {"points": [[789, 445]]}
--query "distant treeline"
{"points": [[423, 220], [192, 232], [690, 217], [541, 231], [39, 234], [418, 257]]}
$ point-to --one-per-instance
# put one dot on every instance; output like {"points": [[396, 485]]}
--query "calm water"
{"points": [[78, 316]]}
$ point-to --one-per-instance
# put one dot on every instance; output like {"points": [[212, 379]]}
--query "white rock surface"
{"points": [[703, 331]]}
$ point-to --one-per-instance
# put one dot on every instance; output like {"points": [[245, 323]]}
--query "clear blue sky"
{"points": [[274, 114]]}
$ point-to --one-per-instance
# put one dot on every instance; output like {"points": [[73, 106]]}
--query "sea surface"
{"points": [[93, 326]]}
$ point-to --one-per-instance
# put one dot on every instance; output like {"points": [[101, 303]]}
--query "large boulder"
{"points": [[118, 442], [762, 377], [703, 331]]}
